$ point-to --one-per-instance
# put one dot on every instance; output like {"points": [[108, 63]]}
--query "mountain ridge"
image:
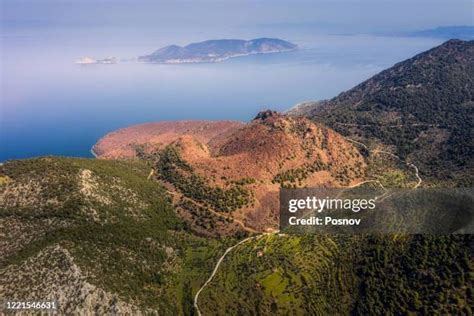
{"points": [[421, 107], [243, 165], [140, 229]]}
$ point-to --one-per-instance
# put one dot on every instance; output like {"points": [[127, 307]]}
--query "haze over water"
{"points": [[51, 106]]}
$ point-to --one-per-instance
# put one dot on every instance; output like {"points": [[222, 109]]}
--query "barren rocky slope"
{"points": [[242, 168], [124, 142], [103, 235]]}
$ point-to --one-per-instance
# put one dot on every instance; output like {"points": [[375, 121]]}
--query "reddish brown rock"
{"points": [[120, 143]]}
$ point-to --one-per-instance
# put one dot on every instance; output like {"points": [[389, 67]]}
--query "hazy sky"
{"points": [[333, 15], [49, 105]]}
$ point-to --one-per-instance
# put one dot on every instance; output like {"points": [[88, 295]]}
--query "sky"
{"points": [[334, 15], [49, 105]]}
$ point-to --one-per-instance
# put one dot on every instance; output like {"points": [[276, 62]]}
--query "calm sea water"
{"points": [[51, 106]]}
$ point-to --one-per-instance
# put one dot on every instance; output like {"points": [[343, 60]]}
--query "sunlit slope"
{"points": [[422, 108], [236, 170], [335, 275], [98, 236]]}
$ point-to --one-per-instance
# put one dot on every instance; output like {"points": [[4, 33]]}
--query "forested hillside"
{"points": [[183, 208], [423, 107], [98, 237]]}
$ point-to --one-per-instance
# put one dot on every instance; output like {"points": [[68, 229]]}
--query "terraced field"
{"points": [[323, 275]]}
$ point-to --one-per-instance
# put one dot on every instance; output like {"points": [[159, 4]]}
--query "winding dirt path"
{"points": [[377, 151], [152, 172], [221, 259], [409, 164], [228, 250]]}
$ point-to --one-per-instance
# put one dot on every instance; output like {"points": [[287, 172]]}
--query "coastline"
{"points": [[212, 60], [94, 153]]}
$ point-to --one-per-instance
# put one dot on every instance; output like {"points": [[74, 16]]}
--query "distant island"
{"points": [[216, 50], [463, 32], [448, 32], [93, 61]]}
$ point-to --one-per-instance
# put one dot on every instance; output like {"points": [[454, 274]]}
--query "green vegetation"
{"points": [[56, 187], [204, 222], [244, 181], [293, 178], [284, 275], [422, 106], [423, 275], [124, 235], [202, 217], [138, 248], [298, 175], [365, 275], [390, 171], [173, 169], [122, 232]]}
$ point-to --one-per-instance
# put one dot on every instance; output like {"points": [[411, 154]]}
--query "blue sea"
{"points": [[52, 106]]}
